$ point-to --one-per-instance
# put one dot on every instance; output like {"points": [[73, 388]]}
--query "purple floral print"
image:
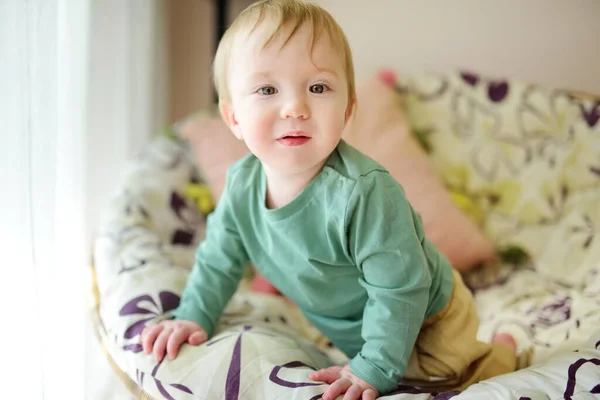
{"points": [[168, 302], [159, 384]]}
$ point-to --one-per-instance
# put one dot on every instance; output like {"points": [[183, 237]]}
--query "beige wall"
{"points": [[190, 51], [547, 41], [190, 33]]}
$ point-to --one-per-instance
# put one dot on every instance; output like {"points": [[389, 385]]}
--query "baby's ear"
{"points": [[350, 110], [228, 116]]}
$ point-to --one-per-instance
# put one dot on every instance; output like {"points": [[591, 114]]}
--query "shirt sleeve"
{"points": [[386, 241], [218, 269]]}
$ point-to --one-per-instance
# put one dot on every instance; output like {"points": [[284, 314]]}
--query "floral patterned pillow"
{"points": [[522, 157]]}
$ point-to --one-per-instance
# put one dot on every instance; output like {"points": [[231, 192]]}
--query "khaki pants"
{"points": [[447, 354]]}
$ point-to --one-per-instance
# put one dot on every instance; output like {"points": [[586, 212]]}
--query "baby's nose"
{"points": [[295, 108]]}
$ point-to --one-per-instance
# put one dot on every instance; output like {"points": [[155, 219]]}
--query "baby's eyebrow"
{"points": [[266, 75], [260, 75], [328, 71]]}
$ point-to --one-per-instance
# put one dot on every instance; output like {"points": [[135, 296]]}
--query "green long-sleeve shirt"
{"points": [[349, 250]]}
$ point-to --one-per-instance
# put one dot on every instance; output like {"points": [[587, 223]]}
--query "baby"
{"points": [[328, 226]]}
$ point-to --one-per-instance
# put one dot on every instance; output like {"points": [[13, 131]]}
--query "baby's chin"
{"points": [[294, 164], [308, 157]]}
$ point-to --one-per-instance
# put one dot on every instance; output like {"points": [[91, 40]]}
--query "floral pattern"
{"points": [[145, 305], [527, 156], [264, 348], [160, 386]]}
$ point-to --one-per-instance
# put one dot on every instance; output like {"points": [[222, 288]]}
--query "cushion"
{"points": [[380, 130], [213, 145], [526, 155], [263, 347]]}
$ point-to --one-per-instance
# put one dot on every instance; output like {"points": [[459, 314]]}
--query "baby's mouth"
{"points": [[294, 139], [295, 134]]}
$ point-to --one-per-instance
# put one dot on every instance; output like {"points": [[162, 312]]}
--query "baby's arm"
{"points": [[220, 260], [386, 242]]}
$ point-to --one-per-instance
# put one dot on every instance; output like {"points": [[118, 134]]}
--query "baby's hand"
{"points": [[170, 335], [342, 380]]}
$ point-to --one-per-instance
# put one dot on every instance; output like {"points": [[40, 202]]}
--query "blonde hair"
{"points": [[282, 12]]}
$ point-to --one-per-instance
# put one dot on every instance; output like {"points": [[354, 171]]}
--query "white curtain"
{"points": [[128, 92], [127, 103], [81, 90]]}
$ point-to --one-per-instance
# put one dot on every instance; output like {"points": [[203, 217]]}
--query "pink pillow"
{"points": [[214, 147], [380, 130]]}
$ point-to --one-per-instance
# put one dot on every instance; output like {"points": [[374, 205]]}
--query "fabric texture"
{"points": [[526, 158], [358, 265]]}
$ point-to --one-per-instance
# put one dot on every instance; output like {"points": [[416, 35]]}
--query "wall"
{"points": [[546, 41], [191, 37]]}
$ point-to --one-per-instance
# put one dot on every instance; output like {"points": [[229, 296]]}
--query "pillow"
{"points": [[380, 130], [527, 157], [214, 147]]}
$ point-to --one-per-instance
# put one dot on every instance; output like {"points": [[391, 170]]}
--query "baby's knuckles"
{"points": [[347, 373]]}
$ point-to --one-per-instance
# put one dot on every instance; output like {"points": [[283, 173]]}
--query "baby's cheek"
{"points": [[263, 126], [262, 114]]}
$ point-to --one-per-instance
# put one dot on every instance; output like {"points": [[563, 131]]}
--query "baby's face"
{"points": [[289, 105]]}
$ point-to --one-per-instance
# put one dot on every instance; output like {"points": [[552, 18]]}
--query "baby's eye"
{"points": [[318, 88], [267, 90]]}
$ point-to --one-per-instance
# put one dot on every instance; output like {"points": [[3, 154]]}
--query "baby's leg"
{"points": [[447, 347]]}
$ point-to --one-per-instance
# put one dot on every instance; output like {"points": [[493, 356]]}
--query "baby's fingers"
{"points": [[175, 341], [369, 394], [161, 343], [354, 392], [149, 335], [338, 387], [197, 338], [327, 375]]}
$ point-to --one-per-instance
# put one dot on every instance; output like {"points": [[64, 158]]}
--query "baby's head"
{"points": [[285, 80], [281, 17]]}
